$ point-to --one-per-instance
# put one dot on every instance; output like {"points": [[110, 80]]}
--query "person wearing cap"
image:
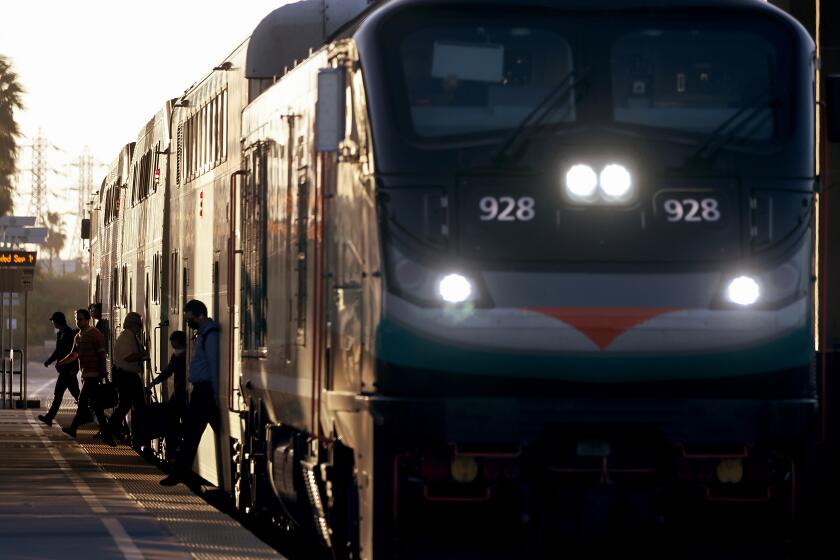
{"points": [[66, 373], [126, 369]]}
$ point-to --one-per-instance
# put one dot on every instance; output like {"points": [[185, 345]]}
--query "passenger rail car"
{"points": [[524, 263]]}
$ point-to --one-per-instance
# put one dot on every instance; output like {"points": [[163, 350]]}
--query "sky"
{"points": [[95, 71]]}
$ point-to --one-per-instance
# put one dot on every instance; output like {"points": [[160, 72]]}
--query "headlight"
{"points": [[613, 185], [581, 182], [743, 290], [616, 182], [426, 286], [771, 288], [454, 288]]}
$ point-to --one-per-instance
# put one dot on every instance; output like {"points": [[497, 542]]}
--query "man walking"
{"points": [[89, 349], [126, 370], [66, 373], [203, 407]]}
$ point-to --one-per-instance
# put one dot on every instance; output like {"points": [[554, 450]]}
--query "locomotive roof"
{"points": [[592, 4], [382, 8]]}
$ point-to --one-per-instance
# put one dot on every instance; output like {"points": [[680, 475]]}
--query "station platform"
{"points": [[65, 498]]}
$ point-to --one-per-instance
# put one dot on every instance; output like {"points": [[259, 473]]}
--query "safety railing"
{"points": [[11, 367]]}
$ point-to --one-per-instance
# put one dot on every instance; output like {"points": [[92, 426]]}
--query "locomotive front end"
{"points": [[565, 213], [598, 233]]}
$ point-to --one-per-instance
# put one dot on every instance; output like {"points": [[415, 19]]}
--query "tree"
{"points": [[11, 100], [55, 237]]}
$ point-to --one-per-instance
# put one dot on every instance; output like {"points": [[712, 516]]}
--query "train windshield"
{"points": [[465, 74], [467, 79]]}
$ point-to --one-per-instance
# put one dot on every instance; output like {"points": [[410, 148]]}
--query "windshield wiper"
{"points": [[745, 119], [548, 105]]}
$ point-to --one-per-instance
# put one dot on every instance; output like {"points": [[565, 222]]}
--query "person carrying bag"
{"points": [[127, 368], [89, 349]]}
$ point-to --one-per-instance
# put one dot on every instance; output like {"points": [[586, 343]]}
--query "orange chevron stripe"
{"points": [[602, 325]]}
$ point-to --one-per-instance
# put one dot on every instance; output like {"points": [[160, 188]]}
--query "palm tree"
{"points": [[11, 100], [55, 237]]}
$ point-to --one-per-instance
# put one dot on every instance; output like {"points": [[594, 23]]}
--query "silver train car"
{"points": [[515, 263]]}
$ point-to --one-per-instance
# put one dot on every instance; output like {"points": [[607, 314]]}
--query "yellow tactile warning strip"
{"points": [[206, 533]]}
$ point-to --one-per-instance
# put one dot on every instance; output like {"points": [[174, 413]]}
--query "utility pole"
{"points": [[85, 164], [38, 204]]}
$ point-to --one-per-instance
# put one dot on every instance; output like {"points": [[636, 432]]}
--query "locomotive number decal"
{"points": [[507, 209], [692, 210]]}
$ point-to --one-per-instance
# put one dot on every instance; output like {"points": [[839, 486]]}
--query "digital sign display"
{"points": [[17, 259]]}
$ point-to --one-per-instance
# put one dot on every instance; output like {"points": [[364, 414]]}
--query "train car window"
{"points": [[173, 281], [115, 284], [300, 254], [124, 285], [134, 184], [147, 173], [469, 77], [190, 147], [179, 155], [156, 174], [202, 140], [198, 141], [207, 137], [211, 135], [218, 129], [187, 149], [205, 143], [141, 180], [191, 168], [695, 80], [192, 154], [255, 261], [151, 283], [194, 140], [224, 124]]}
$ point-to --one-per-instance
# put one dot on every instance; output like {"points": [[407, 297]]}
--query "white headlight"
{"points": [[581, 182], [616, 182], [743, 291], [454, 288]]}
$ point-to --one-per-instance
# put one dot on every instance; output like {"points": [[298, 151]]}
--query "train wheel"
{"points": [[253, 448], [344, 510], [242, 486]]}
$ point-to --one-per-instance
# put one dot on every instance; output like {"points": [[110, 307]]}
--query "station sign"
{"points": [[18, 259]]}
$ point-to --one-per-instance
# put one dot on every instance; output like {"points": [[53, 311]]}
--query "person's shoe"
{"points": [[170, 480], [70, 432], [108, 440], [45, 419]]}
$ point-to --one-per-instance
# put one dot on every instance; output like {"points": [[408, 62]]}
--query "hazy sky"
{"points": [[95, 71]]}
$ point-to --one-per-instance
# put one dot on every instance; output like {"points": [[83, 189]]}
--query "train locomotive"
{"points": [[519, 262]]}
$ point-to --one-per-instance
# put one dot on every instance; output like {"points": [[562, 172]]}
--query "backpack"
{"points": [[202, 337]]}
